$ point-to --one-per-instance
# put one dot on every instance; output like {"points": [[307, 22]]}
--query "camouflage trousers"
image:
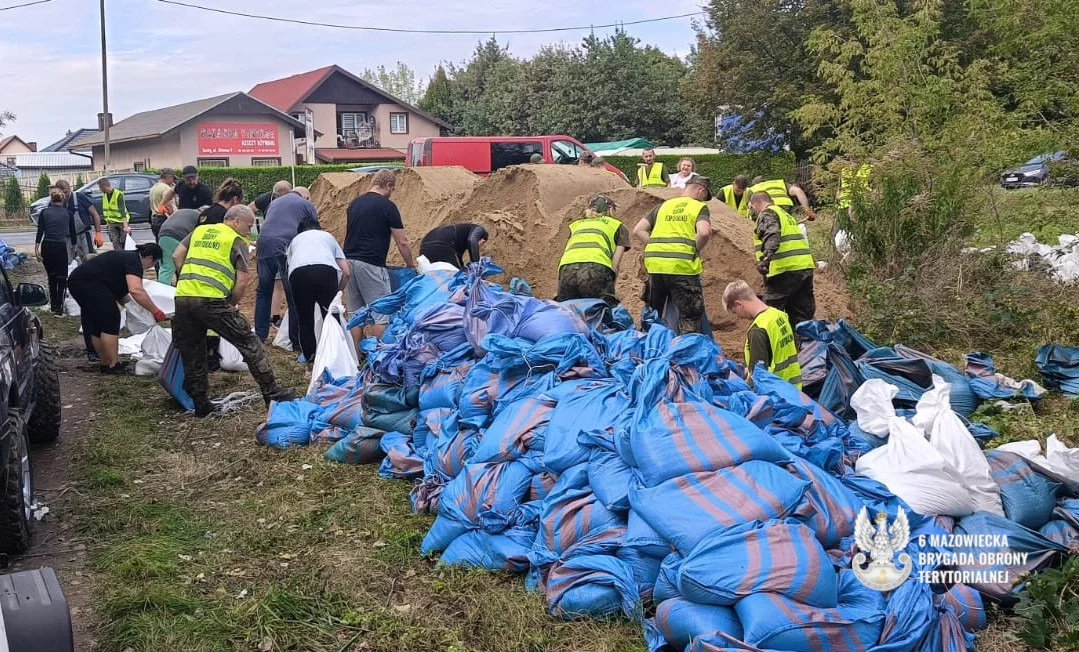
{"points": [[194, 317], [684, 292], [586, 281]]}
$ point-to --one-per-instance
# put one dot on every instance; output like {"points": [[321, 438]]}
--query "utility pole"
{"points": [[104, 90]]}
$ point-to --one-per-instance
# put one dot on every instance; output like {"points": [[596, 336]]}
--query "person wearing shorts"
{"points": [[372, 220], [99, 285]]}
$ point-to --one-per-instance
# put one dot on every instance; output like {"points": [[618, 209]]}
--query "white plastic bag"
{"points": [[1058, 457], [281, 339], [71, 306], [129, 243], [958, 447], [337, 308], [132, 345], [231, 358], [155, 344], [873, 403], [334, 352], [915, 471], [139, 319], [423, 266]]}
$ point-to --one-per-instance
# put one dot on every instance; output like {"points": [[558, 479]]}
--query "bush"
{"points": [[1064, 173], [256, 180], [79, 182], [43, 184], [14, 202], [1050, 609], [720, 168]]}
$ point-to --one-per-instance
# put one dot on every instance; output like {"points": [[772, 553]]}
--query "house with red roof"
{"points": [[349, 120]]}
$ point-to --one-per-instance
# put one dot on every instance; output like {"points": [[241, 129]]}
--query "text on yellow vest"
{"points": [[591, 240], [793, 252], [784, 364], [672, 245], [208, 271], [650, 176]]}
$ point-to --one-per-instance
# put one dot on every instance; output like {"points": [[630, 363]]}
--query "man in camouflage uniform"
{"points": [[674, 234], [211, 267], [589, 264]]}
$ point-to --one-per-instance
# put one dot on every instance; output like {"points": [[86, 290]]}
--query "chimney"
{"points": [[101, 121], [32, 145]]}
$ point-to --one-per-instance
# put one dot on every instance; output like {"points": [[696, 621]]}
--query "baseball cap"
{"points": [[702, 181], [190, 171], [600, 204]]}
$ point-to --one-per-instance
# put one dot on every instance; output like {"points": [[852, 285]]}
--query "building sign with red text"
{"points": [[223, 139]]}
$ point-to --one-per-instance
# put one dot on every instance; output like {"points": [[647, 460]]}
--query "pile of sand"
{"points": [[527, 209]]}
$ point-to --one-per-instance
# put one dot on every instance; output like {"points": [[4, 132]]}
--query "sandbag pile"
{"points": [[635, 474]]}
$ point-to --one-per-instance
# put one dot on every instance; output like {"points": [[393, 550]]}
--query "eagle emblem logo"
{"points": [[878, 570]]}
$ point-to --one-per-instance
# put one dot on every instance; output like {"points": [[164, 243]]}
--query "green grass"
{"points": [[1045, 212]]}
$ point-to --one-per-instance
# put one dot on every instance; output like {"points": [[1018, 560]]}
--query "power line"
{"points": [[25, 4], [422, 31]]}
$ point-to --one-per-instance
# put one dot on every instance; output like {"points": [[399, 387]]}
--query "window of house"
{"points": [[266, 162], [138, 166], [398, 123], [213, 162], [504, 154]]}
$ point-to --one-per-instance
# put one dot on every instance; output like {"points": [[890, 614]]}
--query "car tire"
{"points": [[17, 495], [44, 425]]}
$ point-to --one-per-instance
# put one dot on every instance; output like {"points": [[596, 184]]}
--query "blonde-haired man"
{"points": [[770, 339]]}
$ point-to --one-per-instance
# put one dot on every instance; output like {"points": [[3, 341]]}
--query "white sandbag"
{"points": [[334, 353], [281, 339], [71, 266], [71, 306], [132, 345], [155, 344], [951, 438], [873, 403], [1058, 457], [231, 358], [915, 470], [129, 243], [139, 319], [1030, 449], [337, 308], [423, 266]]}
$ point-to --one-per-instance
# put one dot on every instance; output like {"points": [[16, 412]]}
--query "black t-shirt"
{"points": [[370, 218], [196, 197], [262, 202], [459, 237], [111, 269], [213, 215]]}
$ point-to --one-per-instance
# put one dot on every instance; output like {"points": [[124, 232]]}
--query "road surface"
{"points": [[24, 240]]}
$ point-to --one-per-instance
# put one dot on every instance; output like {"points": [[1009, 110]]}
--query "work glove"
{"points": [[98, 240], [159, 316], [762, 267]]}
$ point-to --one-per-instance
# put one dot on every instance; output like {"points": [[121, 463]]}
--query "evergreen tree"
{"points": [[79, 182], [43, 184], [14, 202]]}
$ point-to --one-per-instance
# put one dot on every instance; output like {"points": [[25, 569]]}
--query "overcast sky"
{"points": [[160, 54]]}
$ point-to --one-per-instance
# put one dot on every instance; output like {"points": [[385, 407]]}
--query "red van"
{"points": [[485, 154]]}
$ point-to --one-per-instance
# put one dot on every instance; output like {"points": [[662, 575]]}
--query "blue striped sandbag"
{"points": [[666, 586], [507, 551], [674, 439], [778, 556], [598, 405], [1028, 497], [610, 479], [452, 450], [680, 621], [1040, 552], [967, 605], [518, 428], [541, 486], [361, 446], [909, 615], [685, 509], [402, 462], [571, 513], [773, 621], [428, 428], [592, 586], [481, 495], [829, 508], [1062, 532]]}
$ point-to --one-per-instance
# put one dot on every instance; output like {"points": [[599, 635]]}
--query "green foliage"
{"points": [[399, 82], [1050, 609], [605, 89], [257, 180], [43, 184], [14, 201], [79, 182], [720, 168], [1064, 173]]}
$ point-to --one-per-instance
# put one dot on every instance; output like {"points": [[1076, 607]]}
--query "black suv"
{"points": [[136, 189], [29, 407]]}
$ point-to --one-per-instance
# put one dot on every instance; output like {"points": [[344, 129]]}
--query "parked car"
{"points": [[136, 189], [486, 154], [371, 169], [1034, 172], [29, 407]]}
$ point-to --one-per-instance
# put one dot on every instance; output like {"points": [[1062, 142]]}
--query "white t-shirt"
{"points": [[678, 181], [314, 247]]}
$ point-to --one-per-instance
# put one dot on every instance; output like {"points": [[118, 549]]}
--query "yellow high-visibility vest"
{"points": [[793, 253], [591, 240], [650, 176], [742, 205], [784, 362], [208, 272], [849, 179], [776, 189], [672, 246], [110, 207]]}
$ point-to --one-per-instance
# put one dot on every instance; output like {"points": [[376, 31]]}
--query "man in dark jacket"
{"points": [[448, 244]]}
